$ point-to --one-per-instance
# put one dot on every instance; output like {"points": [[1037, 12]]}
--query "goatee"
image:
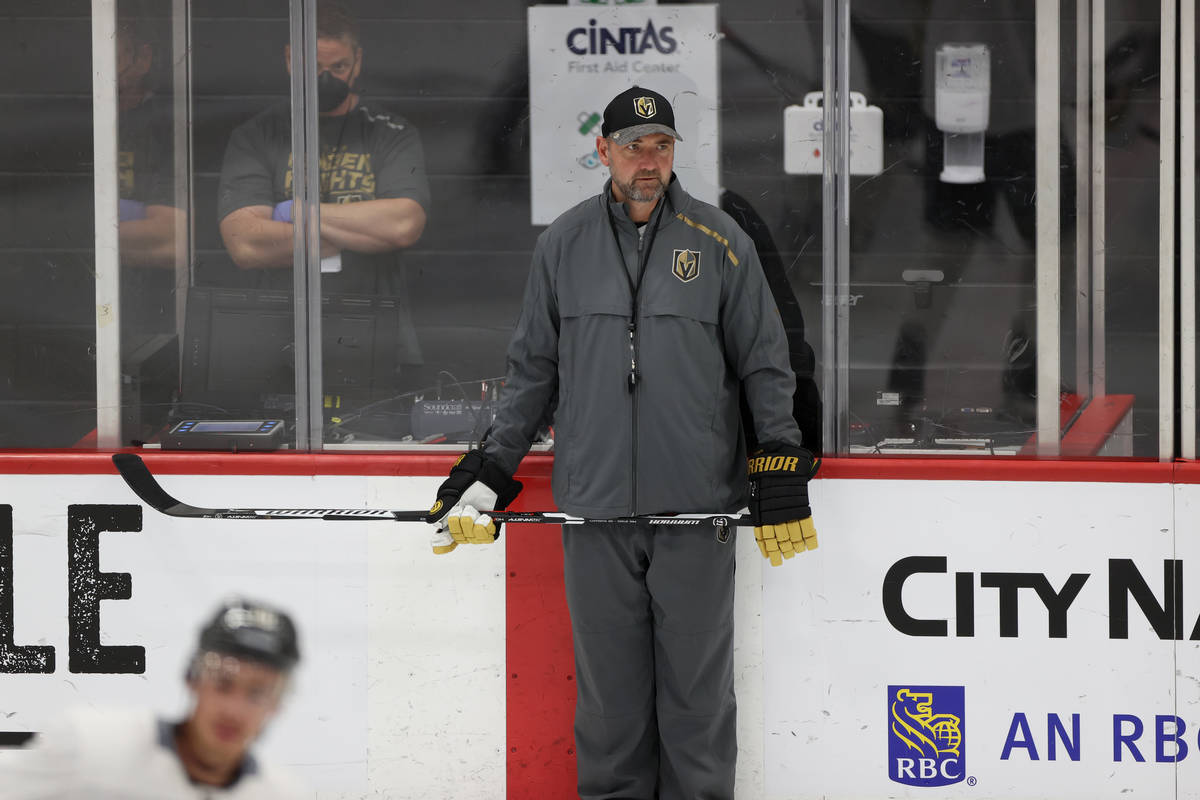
{"points": [[640, 193]]}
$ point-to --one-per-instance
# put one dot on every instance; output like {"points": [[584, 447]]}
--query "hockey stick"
{"points": [[139, 478]]}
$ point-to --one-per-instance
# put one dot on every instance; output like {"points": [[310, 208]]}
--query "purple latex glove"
{"points": [[283, 211], [130, 209]]}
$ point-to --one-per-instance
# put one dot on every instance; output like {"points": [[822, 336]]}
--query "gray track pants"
{"points": [[652, 622]]}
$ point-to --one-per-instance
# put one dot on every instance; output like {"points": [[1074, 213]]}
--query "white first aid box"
{"points": [[804, 138]]}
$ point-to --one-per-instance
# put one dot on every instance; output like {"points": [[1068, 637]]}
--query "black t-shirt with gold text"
{"points": [[366, 154]]}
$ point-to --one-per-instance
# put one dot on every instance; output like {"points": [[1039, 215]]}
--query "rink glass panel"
{"points": [[942, 276]]}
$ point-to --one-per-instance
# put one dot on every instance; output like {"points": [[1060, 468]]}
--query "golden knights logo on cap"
{"points": [[644, 107], [685, 265]]}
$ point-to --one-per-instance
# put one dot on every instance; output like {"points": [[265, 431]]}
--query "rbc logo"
{"points": [[926, 735]]}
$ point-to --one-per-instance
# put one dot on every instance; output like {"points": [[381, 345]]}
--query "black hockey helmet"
{"points": [[253, 631]]}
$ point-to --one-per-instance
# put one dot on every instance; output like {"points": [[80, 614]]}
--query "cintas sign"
{"points": [[1161, 607], [633, 39], [580, 58]]}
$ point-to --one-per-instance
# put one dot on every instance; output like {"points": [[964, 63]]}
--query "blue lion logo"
{"points": [[925, 739]]}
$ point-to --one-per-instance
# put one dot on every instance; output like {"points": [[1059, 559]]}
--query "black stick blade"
{"points": [[147, 488], [144, 485]]}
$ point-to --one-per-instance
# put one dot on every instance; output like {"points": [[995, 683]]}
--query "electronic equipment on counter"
{"points": [[225, 434], [455, 420], [239, 353]]}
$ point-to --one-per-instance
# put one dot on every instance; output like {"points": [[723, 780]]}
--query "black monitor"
{"points": [[239, 354]]}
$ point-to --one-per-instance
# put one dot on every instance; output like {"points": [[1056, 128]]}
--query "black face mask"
{"points": [[331, 92]]}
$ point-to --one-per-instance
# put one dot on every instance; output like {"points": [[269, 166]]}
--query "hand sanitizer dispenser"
{"points": [[962, 86]]}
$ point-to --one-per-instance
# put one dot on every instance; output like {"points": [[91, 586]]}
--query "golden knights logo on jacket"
{"points": [[685, 265]]}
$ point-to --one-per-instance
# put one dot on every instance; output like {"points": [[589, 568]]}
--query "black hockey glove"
{"points": [[779, 509], [476, 486]]}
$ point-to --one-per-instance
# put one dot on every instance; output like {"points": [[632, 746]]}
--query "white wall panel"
{"points": [[828, 675]]}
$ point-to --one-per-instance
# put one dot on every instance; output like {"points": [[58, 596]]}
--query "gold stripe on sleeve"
{"points": [[712, 233]]}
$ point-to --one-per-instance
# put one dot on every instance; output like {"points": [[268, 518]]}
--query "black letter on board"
{"points": [[30, 659], [89, 586]]}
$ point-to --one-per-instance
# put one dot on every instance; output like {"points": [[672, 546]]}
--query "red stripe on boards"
{"points": [[964, 468], [541, 662]]}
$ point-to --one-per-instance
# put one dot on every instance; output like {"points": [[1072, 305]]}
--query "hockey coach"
{"points": [[645, 315]]}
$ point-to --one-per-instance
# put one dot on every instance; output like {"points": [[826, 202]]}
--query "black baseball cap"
{"points": [[636, 112], [249, 630]]}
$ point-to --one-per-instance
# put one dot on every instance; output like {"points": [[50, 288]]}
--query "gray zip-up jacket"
{"points": [[669, 438]]}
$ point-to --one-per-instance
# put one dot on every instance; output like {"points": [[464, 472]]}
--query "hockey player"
{"points": [[237, 678], [645, 313]]}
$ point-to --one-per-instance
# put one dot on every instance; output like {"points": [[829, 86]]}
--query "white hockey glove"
{"points": [[476, 486]]}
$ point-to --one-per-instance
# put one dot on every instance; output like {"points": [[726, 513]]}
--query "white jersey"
{"points": [[124, 755]]}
